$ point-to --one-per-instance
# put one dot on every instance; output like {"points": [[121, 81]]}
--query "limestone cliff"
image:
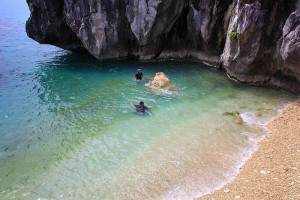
{"points": [[255, 41]]}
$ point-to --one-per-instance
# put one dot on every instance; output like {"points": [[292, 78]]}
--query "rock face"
{"points": [[255, 41], [266, 32]]}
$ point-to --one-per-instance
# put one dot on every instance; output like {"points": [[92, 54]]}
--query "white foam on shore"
{"points": [[186, 192], [251, 119]]}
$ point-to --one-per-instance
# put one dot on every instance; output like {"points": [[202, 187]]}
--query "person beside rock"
{"points": [[139, 75], [141, 108]]}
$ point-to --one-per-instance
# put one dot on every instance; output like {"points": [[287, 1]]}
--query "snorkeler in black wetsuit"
{"points": [[140, 108], [139, 75]]}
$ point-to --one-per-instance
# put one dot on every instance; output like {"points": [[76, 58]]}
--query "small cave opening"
{"points": [[177, 37]]}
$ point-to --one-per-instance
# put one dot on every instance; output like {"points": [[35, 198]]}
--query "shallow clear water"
{"points": [[67, 130]]}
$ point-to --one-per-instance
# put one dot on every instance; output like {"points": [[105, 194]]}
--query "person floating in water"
{"points": [[139, 75], [141, 109]]}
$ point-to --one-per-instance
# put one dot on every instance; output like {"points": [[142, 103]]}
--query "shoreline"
{"points": [[273, 171]]}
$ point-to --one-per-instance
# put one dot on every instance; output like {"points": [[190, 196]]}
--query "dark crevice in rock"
{"points": [[280, 79], [176, 38], [157, 54], [218, 34]]}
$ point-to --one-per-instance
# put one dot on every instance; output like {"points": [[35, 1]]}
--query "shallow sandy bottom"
{"points": [[273, 172]]}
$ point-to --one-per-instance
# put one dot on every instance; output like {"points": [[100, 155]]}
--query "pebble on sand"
{"points": [[226, 190], [263, 172]]}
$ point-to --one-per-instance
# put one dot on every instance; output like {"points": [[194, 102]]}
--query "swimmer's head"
{"points": [[141, 103], [139, 70]]}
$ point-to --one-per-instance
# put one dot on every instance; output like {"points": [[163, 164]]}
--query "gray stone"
{"points": [[290, 47]]}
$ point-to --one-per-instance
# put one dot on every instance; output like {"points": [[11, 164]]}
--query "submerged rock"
{"points": [[255, 42], [237, 118]]}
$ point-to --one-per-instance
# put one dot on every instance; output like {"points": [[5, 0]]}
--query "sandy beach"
{"points": [[273, 172]]}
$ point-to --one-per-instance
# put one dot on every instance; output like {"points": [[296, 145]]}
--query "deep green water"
{"points": [[67, 130]]}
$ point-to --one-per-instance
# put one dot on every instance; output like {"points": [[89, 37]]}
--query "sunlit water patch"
{"points": [[68, 131]]}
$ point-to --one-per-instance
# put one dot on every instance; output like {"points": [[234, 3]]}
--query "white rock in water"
{"points": [[159, 81]]}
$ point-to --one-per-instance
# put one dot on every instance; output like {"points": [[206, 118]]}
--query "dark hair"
{"points": [[141, 102]]}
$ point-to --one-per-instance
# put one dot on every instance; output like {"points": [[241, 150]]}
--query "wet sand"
{"points": [[273, 172]]}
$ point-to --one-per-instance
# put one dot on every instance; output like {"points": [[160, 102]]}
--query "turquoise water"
{"points": [[67, 130]]}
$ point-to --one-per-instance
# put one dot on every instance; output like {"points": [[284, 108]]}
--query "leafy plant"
{"points": [[233, 34]]}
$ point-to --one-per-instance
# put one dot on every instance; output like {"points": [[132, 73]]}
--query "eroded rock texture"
{"points": [[256, 41]]}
